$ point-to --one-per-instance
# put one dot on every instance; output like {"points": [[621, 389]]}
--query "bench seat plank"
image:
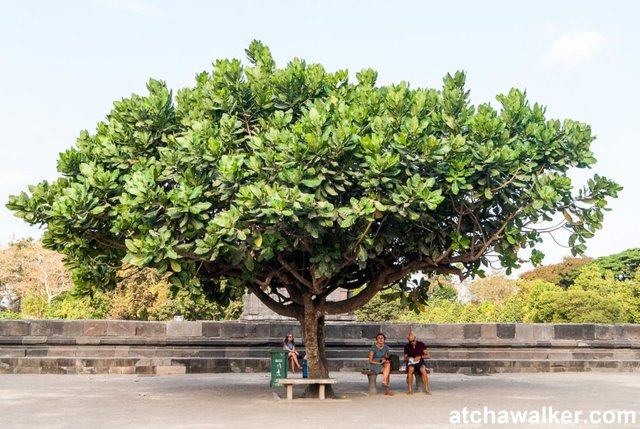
{"points": [[307, 380], [372, 376], [369, 372]]}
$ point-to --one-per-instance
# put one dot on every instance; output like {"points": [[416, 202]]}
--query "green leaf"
{"points": [[487, 193], [241, 235], [330, 190], [268, 253], [536, 257], [379, 206], [347, 222], [362, 254], [87, 170], [312, 183], [175, 281], [200, 207], [345, 211], [131, 246]]}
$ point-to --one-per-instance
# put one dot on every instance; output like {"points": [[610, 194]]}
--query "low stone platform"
{"points": [[131, 347]]}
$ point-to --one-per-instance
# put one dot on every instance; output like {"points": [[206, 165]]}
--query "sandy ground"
{"points": [[247, 401]]}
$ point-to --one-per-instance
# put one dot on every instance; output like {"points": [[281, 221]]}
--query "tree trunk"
{"points": [[317, 363], [311, 318], [45, 280], [321, 344]]}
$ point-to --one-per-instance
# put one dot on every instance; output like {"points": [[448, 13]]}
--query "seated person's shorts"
{"points": [[416, 366]]}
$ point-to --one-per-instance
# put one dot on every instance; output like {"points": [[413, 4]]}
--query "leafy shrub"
{"points": [[384, 307], [34, 305], [580, 306], [10, 315], [70, 306], [437, 311]]}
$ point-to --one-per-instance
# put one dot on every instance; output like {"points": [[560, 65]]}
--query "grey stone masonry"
{"points": [[133, 347], [254, 309]]}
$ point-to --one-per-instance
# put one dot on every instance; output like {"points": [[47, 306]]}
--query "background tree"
{"points": [[443, 290], [294, 182], [496, 289], [562, 274], [386, 306], [140, 295], [145, 295], [541, 301], [623, 265], [29, 270]]}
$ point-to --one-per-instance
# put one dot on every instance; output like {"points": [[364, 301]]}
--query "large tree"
{"points": [[294, 182]]}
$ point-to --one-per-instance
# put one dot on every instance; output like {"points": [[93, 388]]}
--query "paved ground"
{"points": [[246, 401]]}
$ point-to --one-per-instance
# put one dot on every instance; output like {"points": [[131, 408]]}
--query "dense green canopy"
{"points": [[623, 264], [297, 181]]}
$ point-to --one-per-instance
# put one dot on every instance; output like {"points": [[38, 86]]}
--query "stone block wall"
{"points": [[132, 347]]}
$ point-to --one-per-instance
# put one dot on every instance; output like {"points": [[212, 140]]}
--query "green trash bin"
{"points": [[279, 366]]}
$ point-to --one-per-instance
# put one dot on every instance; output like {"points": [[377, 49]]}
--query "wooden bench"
{"points": [[372, 376], [321, 382]]}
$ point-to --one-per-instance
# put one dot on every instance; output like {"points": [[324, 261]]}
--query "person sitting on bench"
{"points": [[379, 361], [415, 352], [289, 345]]}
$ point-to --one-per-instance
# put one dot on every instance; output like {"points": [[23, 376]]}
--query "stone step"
{"points": [[363, 343], [332, 353], [194, 365]]}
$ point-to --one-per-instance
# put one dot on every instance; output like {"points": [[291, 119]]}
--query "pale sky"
{"points": [[63, 63]]}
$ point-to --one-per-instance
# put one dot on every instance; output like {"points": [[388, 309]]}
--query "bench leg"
{"points": [[372, 384], [290, 392], [321, 391]]}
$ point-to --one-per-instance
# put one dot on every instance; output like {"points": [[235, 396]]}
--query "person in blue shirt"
{"points": [[290, 345], [379, 361]]}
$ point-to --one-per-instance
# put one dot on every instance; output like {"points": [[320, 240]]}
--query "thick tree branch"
{"points": [[497, 234], [105, 241], [294, 292], [120, 246], [290, 310], [295, 273], [357, 301], [388, 276], [135, 271]]}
